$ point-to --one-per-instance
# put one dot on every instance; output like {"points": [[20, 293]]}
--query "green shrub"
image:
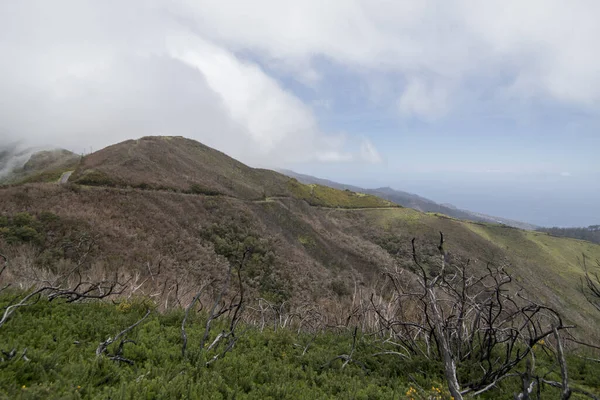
{"points": [[196, 188], [21, 227], [22, 219], [96, 178], [231, 239], [323, 196], [340, 288], [61, 341]]}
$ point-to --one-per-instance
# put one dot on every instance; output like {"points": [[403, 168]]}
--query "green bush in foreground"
{"points": [[61, 340]]}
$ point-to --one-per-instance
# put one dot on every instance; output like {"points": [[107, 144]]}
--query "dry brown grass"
{"points": [[166, 243], [176, 163], [330, 259]]}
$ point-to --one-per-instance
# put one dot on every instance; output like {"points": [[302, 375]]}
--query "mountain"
{"points": [[11, 157], [183, 165], [26, 166], [414, 201], [165, 214]]}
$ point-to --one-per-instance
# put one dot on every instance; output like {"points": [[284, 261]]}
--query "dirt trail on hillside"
{"points": [[64, 178]]}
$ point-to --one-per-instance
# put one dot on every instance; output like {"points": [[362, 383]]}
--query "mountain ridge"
{"points": [[313, 245], [414, 201]]}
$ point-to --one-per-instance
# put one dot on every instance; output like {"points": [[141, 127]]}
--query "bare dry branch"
{"points": [[566, 391], [187, 311], [465, 314], [102, 347], [9, 310], [348, 358]]}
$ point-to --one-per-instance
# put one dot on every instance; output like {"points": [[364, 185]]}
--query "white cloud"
{"points": [[83, 74], [254, 100], [369, 153], [426, 100], [542, 49], [565, 174], [334, 156]]}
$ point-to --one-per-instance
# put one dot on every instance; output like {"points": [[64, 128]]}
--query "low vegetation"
{"points": [[60, 360], [591, 233], [56, 346], [323, 196], [177, 164]]}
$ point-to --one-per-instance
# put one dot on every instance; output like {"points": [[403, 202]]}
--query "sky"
{"points": [[492, 106]]}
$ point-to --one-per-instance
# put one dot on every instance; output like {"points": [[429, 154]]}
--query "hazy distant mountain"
{"points": [[413, 201], [11, 157], [27, 165]]}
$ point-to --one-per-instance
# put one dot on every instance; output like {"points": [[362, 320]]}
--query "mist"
{"points": [[82, 75]]}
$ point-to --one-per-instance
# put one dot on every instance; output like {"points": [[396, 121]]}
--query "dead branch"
{"points": [[237, 310], [118, 356], [4, 263], [87, 290], [4, 266], [187, 311], [9, 310], [582, 343], [462, 316], [348, 358], [213, 311], [10, 355], [308, 343], [102, 347], [83, 248], [566, 391]]}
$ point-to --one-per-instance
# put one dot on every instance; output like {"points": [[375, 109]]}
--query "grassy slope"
{"points": [[544, 265], [62, 363], [552, 267], [323, 196]]}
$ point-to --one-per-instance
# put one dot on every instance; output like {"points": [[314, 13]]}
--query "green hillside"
{"points": [[545, 265]]}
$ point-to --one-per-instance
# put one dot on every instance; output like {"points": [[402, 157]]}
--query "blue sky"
{"points": [[492, 106], [536, 162]]}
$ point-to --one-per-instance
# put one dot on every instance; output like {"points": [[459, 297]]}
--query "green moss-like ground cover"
{"points": [[61, 340]]}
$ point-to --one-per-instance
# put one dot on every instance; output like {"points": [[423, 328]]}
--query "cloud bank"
{"points": [[82, 73]]}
